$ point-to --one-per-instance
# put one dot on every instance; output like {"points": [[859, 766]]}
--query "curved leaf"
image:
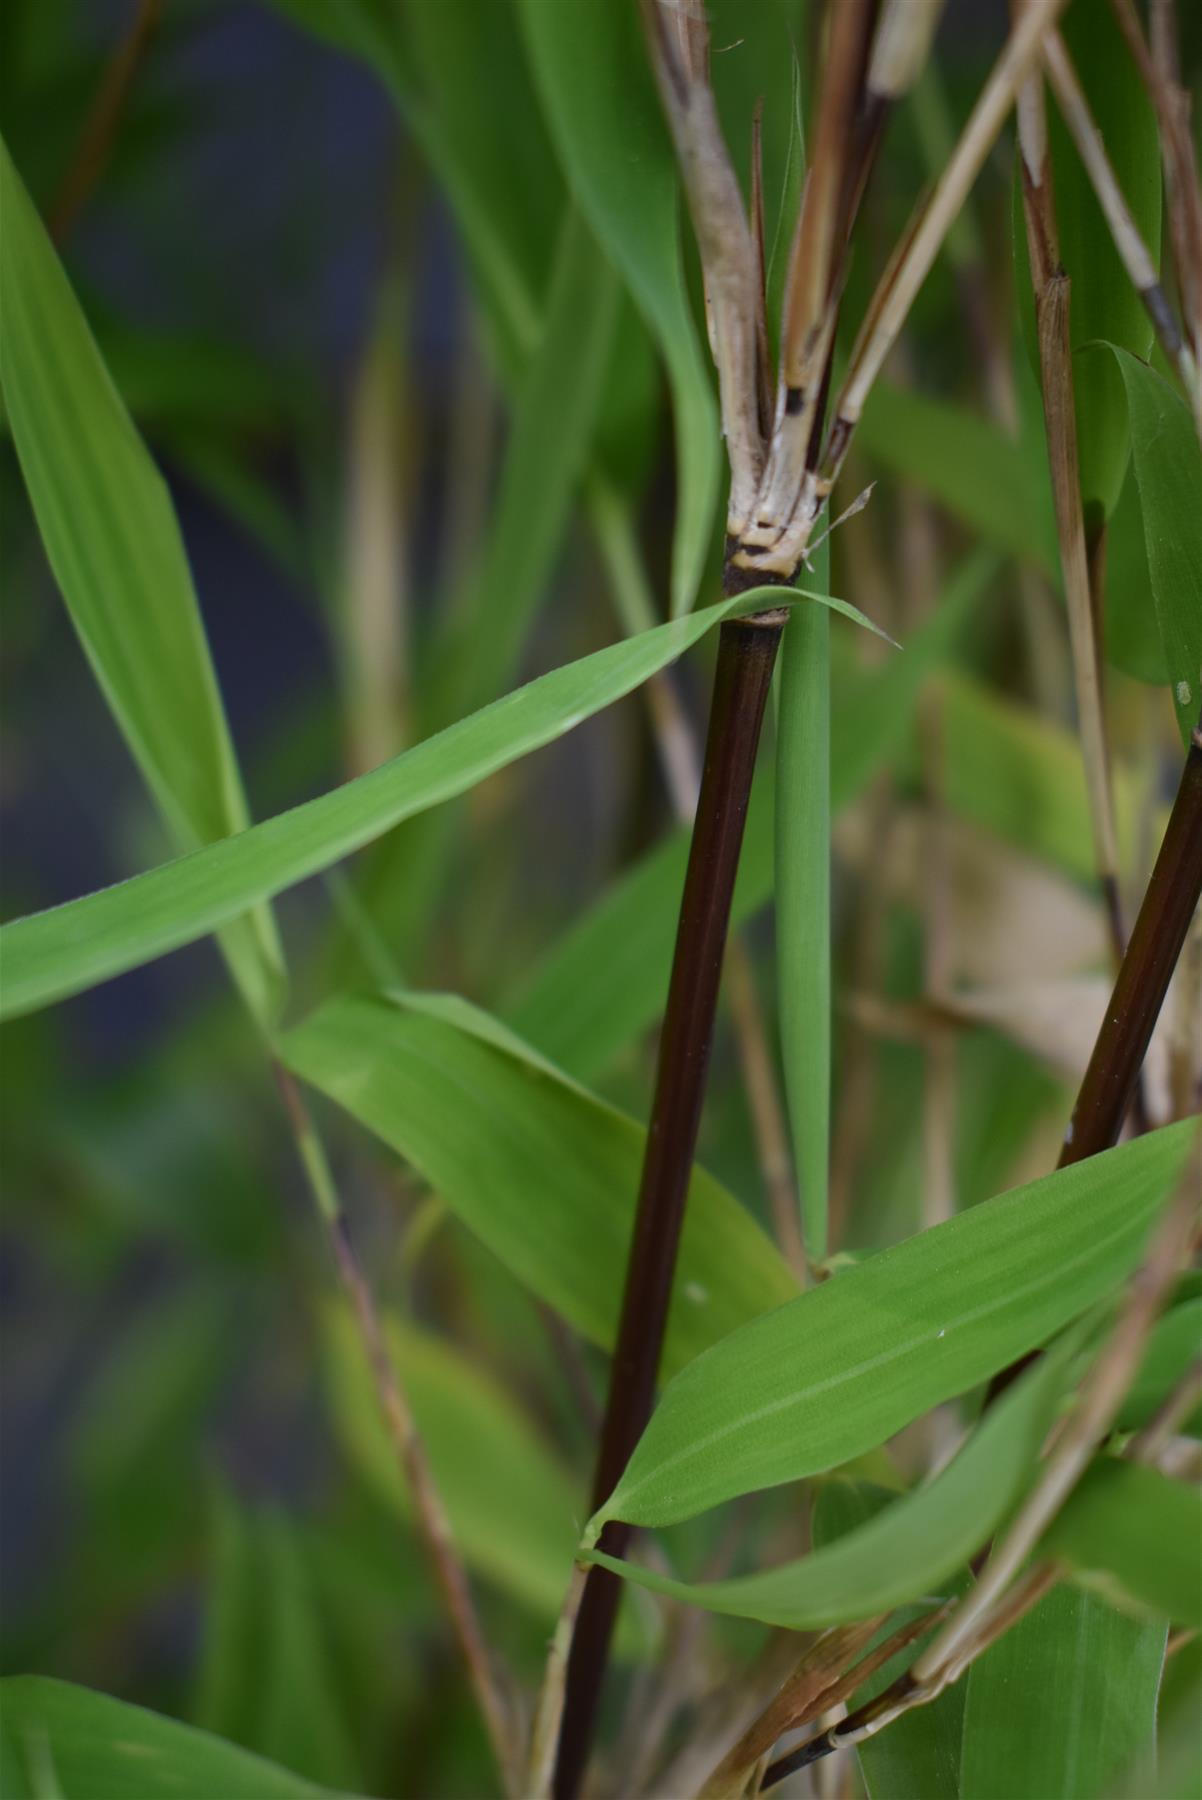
{"points": [[592, 74], [544, 1173], [56, 1738], [53, 954], [906, 1550], [1063, 1704], [847, 1364], [111, 536]]}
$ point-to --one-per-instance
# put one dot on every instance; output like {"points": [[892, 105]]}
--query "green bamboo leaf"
{"points": [[1064, 1704], [1135, 1534], [553, 424], [112, 539], [52, 954], [803, 906], [56, 953], [1168, 472], [1175, 1343], [590, 68], [273, 1689], [918, 1757], [516, 1528], [1103, 304], [1132, 630], [969, 465], [56, 1738], [1019, 775], [908, 1548], [847, 1364], [544, 1173], [606, 979]]}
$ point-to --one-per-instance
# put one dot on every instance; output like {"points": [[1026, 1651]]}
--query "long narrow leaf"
{"points": [[907, 1549], [846, 1365], [591, 70], [544, 1173], [803, 905], [607, 977], [59, 1739], [53, 954], [1064, 1704], [111, 535]]}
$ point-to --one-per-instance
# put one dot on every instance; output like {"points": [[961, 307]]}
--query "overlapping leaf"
{"points": [[53, 954], [542, 1171], [909, 1547], [850, 1362], [111, 535]]}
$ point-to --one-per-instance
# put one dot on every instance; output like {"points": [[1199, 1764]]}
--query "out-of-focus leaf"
{"points": [[1132, 630], [538, 1168], [265, 1680], [848, 1363], [1104, 304], [918, 1757], [803, 903], [1020, 776], [552, 426], [515, 1526], [1168, 471], [59, 1739], [1064, 1703], [113, 542], [53, 954], [1175, 1343], [503, 158], [606, 979], [591, 70], [908, 1548], [1136, 1535], [969, 465], [134, 1453]]}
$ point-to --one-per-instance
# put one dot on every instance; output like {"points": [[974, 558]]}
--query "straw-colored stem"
{"points": [[1135, 255]]}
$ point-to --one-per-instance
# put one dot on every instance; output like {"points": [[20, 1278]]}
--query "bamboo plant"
{"points": [[889, 1438]]}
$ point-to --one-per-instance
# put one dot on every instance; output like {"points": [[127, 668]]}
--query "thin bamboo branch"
{"points": [[1052, 288], [96, 139], [1183, 185], [433, 1525], [1136, 257], [746, 654]]}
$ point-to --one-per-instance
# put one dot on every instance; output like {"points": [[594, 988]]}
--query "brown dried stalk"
{"points": [[1052, 287], [1136, 257], [826, 1675]]}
